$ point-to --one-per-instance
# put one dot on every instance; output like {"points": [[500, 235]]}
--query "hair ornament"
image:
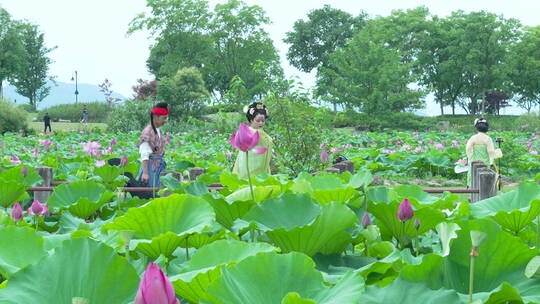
{"points": [[245, 109]]}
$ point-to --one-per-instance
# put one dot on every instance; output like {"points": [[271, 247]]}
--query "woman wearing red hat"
{"points": [[152, 146]]}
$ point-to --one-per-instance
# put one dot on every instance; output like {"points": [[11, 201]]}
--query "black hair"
{"points": [[162, 105], [114, 161], [258, 108], [482, 126]]}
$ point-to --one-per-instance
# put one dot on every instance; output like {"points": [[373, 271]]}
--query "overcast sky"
{"points": [[90, 35]]}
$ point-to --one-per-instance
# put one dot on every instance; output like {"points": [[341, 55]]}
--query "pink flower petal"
{"points": [[260, 150]]}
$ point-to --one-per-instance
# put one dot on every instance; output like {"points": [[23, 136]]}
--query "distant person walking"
{"points": [[84, 115], [47, 122]]}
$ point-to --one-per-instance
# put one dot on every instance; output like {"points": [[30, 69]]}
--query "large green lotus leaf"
{"points": [[227, 212], [11, 192], [66, 195], [84, 208], [19, 246], [334, 195], [205, 265], [260, 192], [379, 195], [513, 210], [405, 292], [447, 232], [502, 258], [15, 174], [386, 215], [161, 225], [295, 223], [80, 268], [361, 179], [414, 191], [295, 298], [326, 182], [108, 173], [270, 277], [288, 211]]}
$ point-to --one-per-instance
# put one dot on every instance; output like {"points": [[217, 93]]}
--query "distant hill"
{"points": [[61, 93]]}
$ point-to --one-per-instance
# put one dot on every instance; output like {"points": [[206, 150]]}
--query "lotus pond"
{"points": [[323, 238]]}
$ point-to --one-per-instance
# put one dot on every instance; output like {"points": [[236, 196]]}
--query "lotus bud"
{"points": [[155, 288], [405, 211], [324, 156], [123, 161], [366, 220], [417, 224], [24, 171], [16, 213], [37, 207]]}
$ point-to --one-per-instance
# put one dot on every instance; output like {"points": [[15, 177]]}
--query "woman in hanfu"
{"points": [[256, 114], [480, 147], [152, 146]]}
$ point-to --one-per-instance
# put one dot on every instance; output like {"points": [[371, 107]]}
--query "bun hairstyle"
{"points": [[255, 109], [160, 105], [481, 125]]}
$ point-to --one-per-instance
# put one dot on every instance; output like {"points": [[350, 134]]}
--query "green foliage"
{"points": [[223, 43], [132, 115], [312, 41], [31, 78], [97, 111], [11, 48], [372, 72], [299, 128], [12, 118], [395, 121], [223, 108], [185, 92]]}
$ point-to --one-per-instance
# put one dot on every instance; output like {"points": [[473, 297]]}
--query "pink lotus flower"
{"points": [[324, 156], [113, 142], [439, 146], [124, 160], [387, 151], [406, 147], [462, 161], [37, 209], [347, 146], [100, 163], [15, 160], [405, 211], [45, 143], [155, 288], [533, 152], [366, 220], [228, 153], [334, 150], [418, 149], [245, 140], [16, 213], [91, 148], [323, 146], [455, 144], [35, 152]]}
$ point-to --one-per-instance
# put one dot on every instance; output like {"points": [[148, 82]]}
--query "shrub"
{"points": [[98, 111], [27, 107], [132, 115], [298, 128], [12, 118], [184, 92], [529, 122], [396, 120], [227, 108]]}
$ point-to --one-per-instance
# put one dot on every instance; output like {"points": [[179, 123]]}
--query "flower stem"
{"points": [[249, 177], [473, 254], [538, 232]]}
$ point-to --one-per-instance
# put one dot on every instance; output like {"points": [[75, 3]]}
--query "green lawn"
{"points": [[38, 126]]}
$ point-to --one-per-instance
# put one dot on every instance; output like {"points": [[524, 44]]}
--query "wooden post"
{"points": [[47, 174], [476, 166], [487, 180], [194, 172]]}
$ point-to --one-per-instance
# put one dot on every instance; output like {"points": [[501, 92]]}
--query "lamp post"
{"points": [[76, 88]]}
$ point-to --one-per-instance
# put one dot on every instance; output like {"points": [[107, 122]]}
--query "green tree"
{"points": [[312, 41], [484, 40], [373, 72], [185, 92], [224, 43], [525, 69], [31, 79], [11, 48]]}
